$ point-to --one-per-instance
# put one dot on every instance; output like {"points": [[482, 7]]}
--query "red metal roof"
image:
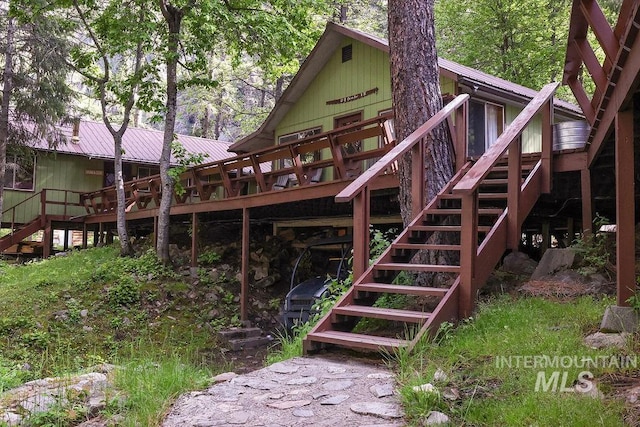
{"points": [[140, 145]]}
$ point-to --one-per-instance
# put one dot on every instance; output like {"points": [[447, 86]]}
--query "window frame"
{"points": [[16, 161], [486, 140]]}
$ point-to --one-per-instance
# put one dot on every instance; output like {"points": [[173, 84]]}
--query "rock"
{"points": [[602, 340], [380, 376], [519, 263], [426, 388], [283, 368], [619, 319], [302, 381], [554, 260], [87, 328], [451, 393], [381, 390], [335, 400], [436, 418], [303, 413], [440, 376], [288, 404], [337, 385], [266, 281], [84, 313], [224, 377], [241, 417], [383, 410]]}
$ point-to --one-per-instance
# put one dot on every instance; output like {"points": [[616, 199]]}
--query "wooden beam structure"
{"points": [[625, 208], [244, 285]]}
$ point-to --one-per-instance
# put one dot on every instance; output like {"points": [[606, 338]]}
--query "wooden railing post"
{"points": [[513, 194], [547, 146], [43, 206], [417, 177], [361, 232], [468, 250], [461, 136]]}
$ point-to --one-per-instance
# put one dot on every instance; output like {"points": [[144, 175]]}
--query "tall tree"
{"points": [[111, 57], [523, 41], [34, 90], [415, 84], [274, 33]]}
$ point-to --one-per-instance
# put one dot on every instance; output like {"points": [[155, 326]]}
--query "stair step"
{"points": [[349, 339], [250, 342], [482, 228], [408, 316], [494, 181], [524, 167], [417, 267], [400, 289], [490, 196], [426, 247], [447, 211], [239, 333]]}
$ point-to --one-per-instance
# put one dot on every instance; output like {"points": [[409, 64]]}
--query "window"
{"points": [[486, 123], [19, 173], [146, 171]]}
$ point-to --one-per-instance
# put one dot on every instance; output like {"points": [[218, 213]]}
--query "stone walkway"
{"points": [[305, 391]]}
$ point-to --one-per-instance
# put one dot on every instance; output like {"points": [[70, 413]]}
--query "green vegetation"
{"points": [[484, 359], [63, 315]]}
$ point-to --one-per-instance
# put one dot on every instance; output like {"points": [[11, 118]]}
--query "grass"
{"points": [[65, 314], [476, 356]]}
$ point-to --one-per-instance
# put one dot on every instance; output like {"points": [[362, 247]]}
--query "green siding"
{"points": [[53, 171]]}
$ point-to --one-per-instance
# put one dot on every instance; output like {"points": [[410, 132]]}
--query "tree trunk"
{"points": [[173, 18], [415, 84], [123, 235], [7, 78]]}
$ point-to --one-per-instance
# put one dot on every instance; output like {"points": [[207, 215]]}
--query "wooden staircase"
{"points": [[20, 233], [434, 305], [480, 210]]}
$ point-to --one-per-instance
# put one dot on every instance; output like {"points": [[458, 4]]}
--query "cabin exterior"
{"points": [[50, 181], [346, 79], [326, 153]]}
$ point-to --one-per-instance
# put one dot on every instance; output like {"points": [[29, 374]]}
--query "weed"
{"points": [[595, 250], [123, 293], [208, 258]]}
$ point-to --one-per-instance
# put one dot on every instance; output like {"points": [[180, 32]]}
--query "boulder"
{"points": [[518, 263], [552, 261]]}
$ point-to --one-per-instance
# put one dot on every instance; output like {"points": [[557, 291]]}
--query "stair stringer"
{"points": [[22, 233]]}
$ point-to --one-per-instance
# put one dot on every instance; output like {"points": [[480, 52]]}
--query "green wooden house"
{"points": [[49, 181], [346, 79]]}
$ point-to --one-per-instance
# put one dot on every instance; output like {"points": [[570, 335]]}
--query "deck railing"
{"points": [[339, 154], [359, 190]]}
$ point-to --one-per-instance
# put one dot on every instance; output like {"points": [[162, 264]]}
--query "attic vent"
{"points": [[347, 53]]}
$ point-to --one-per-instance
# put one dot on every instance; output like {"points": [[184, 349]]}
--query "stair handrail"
{"points": [[13, 209], [468, 186], [472, 179], [359, 189], [44, 201]]}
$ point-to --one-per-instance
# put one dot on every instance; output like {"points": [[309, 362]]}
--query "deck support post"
{"points": [[85, 236], [468, 250], [66, 239], [194, 239], [155, 231], [244, 285], [47, 240], [625, 209], [513, 194], [587, 203], [546, 237], [361, 232]]}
